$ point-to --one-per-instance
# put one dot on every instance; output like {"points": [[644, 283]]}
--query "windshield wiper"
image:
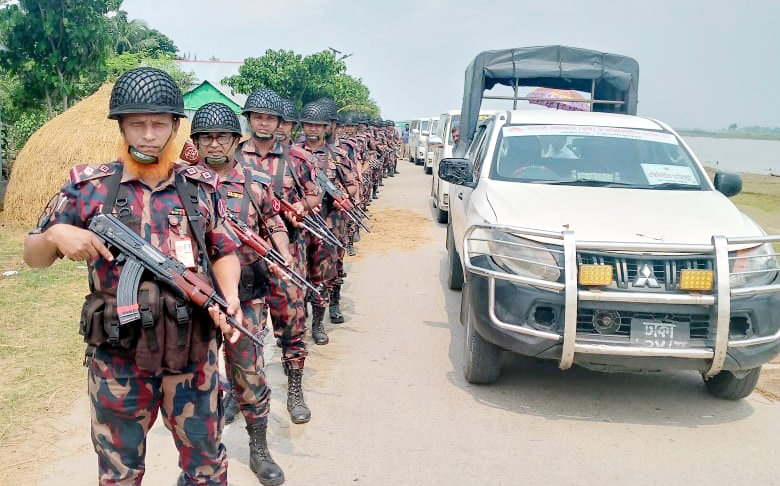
{"points": [[675, 185], [584, 182]]}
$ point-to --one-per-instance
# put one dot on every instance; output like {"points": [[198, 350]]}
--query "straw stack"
{"points": [[81, 135]]}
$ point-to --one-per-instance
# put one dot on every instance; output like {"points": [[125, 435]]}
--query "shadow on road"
{"points": [[537, 387]]}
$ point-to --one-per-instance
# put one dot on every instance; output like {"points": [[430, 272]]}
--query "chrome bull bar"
{"points": [[719, 297]]}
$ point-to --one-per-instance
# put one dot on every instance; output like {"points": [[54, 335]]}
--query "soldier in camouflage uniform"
{"points": [[334, 162], [349, 144], [216, 132], [133, 371], [289, 121], [290, 170]]}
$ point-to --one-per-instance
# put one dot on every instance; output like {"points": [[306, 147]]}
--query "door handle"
{"points": [[460, 195]]}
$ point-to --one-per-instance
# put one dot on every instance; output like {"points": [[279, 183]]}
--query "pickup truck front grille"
{"points": [[664, 270], [699, 323]]}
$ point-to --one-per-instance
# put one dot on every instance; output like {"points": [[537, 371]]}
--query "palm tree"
{"points": [[129, 36]]}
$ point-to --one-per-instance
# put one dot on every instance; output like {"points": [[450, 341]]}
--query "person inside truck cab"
{"points": [[557, 148], [455, 134]]}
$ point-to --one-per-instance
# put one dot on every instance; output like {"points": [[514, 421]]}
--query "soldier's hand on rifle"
{"points": [[277, 270], [294, 218], [76, 243], [220, 320]]}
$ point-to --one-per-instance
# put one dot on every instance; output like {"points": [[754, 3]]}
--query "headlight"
{"points": [[753, 266], [517, 255]]}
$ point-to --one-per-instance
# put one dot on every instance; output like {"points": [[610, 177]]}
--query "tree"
{"points": [[117, 65], [57, 48], [135, 36], [733, 127], [302, 79]]}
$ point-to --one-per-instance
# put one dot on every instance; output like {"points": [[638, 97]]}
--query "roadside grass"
{"points": [[40, 349]]}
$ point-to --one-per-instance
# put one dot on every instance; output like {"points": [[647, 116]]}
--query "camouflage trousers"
{"points": [[124, 402], [287, 305], [244, 365], [337, 222], [322, 259]]}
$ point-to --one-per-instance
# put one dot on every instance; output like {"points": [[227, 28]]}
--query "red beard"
{"points": [[160, 170]]}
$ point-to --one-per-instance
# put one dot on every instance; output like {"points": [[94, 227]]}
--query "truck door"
{"points": [[460, 195]]}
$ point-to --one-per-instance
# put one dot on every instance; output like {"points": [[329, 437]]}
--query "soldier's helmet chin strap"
{"points": [[219, 161], [264, 137], [147, 159]]}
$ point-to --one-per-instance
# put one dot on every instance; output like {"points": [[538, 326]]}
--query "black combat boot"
{"points": [[317, 329], [299, 412], [351, 251], [260, 461], [336, 317], [230, 406]]}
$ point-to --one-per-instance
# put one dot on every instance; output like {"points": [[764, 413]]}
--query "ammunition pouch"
{"points": [[254, 281], [170, 334]]}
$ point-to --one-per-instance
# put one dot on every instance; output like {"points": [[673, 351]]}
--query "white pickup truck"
{"points": [[597, 239]]}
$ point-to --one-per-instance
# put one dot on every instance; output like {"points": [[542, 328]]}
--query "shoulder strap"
{"points": [[188, 193], [250, 197], [298, 186], [278, 183], [112, 185]]}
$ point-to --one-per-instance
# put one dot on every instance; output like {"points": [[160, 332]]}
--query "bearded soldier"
{"points": [[290, 172], [216, 132], [167, 358]]}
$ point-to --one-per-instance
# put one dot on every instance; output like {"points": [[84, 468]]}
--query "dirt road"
{"points": [[390, 405]]}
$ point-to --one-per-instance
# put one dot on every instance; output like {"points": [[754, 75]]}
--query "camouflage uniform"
{"points": [[286, 300], [244, 359], [324, 259], [124, 398]]}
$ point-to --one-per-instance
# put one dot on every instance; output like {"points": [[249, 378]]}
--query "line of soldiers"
{"points": [[306, 199]]}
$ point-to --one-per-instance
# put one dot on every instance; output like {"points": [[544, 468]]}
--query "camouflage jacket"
{"points": [[157, 214]]}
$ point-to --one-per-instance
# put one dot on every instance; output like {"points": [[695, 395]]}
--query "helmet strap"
{"points": [[147, 159]]}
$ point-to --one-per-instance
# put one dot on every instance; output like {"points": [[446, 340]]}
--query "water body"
{"points": [[737, 155]]}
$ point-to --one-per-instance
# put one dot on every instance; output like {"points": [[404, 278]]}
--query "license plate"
{"points": [[653, 334]]}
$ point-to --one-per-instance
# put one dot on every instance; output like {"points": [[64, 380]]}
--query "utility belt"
{"points": [[170, 335], [254, 281]]}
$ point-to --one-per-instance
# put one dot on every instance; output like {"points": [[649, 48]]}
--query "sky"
{"points": [[702, 63]]}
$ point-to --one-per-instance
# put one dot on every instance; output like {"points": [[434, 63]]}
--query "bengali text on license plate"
{"points": [[652, 334]]}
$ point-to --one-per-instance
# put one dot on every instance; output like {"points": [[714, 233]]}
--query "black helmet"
{"points": [[215, 117], [315, 113], [333, 108], [344, 119], [263, 101], [145, 90], [289, 112]]}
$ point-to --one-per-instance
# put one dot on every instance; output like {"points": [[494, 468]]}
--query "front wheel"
{"points": [[441, 215], [429, 170], [726, 385], [481, 359]]}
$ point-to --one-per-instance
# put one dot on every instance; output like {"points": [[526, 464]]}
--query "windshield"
{"points": [[424, 125], [585, 155], [435, 127]]}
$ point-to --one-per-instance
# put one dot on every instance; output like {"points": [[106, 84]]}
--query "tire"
{"points": [[727, 386], [481, 359], [442, 216], [454, 268], [429, 170]]}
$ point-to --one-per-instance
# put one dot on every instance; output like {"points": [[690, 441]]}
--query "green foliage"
{"points": [[57, 48], [136, 37], [302, 79], [116, 65]]}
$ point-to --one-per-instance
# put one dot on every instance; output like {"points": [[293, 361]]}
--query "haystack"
{"points": [[83, 134]]}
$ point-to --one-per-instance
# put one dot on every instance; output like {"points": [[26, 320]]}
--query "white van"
{"points": [[418, 140]]}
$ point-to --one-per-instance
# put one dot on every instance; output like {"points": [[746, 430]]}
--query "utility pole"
{"points": [[1, 144]]}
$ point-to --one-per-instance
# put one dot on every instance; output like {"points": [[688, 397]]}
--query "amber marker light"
{"points": [[595, 275], [696, 279]]}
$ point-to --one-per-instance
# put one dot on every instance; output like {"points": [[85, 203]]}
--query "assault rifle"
{"points": [[353, 212], [314, 224], [140, 256], [266, 251]]}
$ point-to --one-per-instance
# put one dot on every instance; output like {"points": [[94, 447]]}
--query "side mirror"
{"points": [[728, 183], [434, 140], [456, 171]]}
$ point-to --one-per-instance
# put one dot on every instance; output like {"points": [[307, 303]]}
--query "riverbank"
{"points": [[734, 135]]}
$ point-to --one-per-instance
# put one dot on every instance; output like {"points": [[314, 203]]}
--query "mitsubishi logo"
{"points": [[645, 277]]}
